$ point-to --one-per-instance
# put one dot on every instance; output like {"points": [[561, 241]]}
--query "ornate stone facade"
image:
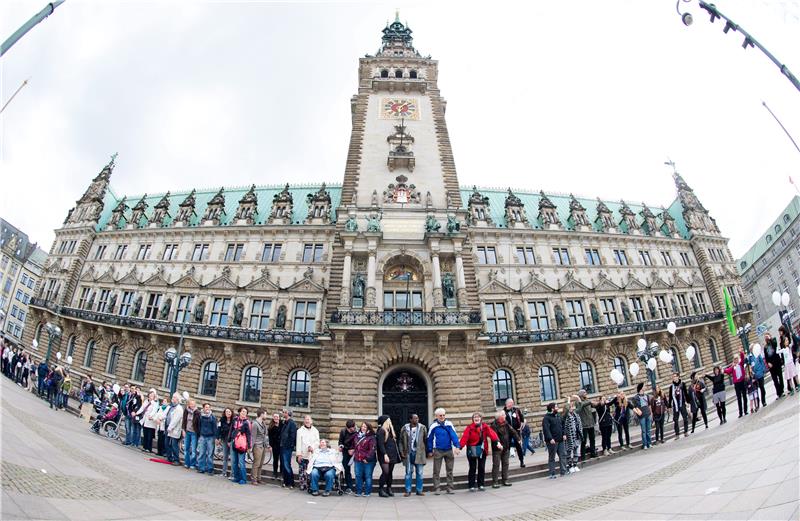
{"points": [[458, 297]]}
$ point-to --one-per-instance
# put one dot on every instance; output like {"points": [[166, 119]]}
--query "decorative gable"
{"points": [[668, 227], [157, 279], [186, 209], [187, 281], [572, 285], [548, 214], [139, 212], [282, 207], [161, 211], [577, 214], [628, 222], [400, 154], [658, 283], [215, 209], [515, 212], [131, 278], [262, 282], [634, 284], [495, 286], [605, 284], [605, 219], [106, 278], [678, 282], [478, 206], [118, 215], [648, 221], [535, 285], [319, 206], [248, 206]]}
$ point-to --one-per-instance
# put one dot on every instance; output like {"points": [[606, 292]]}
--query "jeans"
{"points": [[741, 397], [476, 466], [622, 426], [40, 385], [226, 456], [760, 382], [239, 467], [136, 434], [276, 461], [646, 423], [364, 477], [605, 436], [552, 449], [588, 435], [286, 462], [329, 475], [449, 458], [173, 452], [190, 450], [205, 454], [64, 400], [526, 445], [348, 476], [676, 417], [128, 429], [412, 468], [660, 428]]}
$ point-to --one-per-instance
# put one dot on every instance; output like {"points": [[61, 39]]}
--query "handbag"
{"points": [[476, 451], [240, 442]]}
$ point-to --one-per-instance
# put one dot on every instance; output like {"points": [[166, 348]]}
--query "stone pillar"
{"points": [[461, 283], [346, 284], [437, 281], [371, 297]]}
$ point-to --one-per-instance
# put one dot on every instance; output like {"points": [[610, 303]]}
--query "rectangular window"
{"points": [[31, 283], [525, 255], [609, 309], [575, 313], [234, 252], [735, 294], [667, 258], [144, 252], [592, 257], [561, 256], [200, 252], [683, 305], [219, 311], [153, 303], [170, 252], [184, 311], [638, 311], [496, 317], [24, 279], [122, 249], [259, 314], [14, 310], [487, 255], [685, 259], [84, 298], [538, 312], [312, 253], [4, 263], [125, 303], [645, 257], [661, 304], [402, 300], [7, 286], [271, 253], [305, 316], [780, 268], [51, 284], [21, 316], [102, 302], [712, 254], [701, 302]]}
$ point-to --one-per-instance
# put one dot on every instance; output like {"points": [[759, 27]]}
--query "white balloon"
{"points": [[776, 298], [651, 364], [785, 299], [185, 395], [58, 355], [634, 369], [690, 352], [617, 377], [115, 388], [35, 343], [664, 356], [69, 359], [641, 344], [671, 327], [756, 349]]}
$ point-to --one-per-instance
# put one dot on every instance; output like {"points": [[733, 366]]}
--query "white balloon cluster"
{"points": [[69, 359], [58, 355], [617, 376], [782, 299], [665, 356]]}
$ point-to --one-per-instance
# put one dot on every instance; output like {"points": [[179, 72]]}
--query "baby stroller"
{"points": [[108, 423]]}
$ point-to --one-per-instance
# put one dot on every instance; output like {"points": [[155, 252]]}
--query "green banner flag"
{"points": [[729, 311]]}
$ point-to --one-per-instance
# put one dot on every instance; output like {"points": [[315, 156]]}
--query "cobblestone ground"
{"points": [[54, 468]]}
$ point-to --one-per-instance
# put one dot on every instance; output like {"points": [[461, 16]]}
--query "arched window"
{"points": [[139, 366], [412, 75], [384, 73], [778, 228], [251, 384], [676, 361], [208, 378], [503, 386], [71, 346], [89, 357], [743, 264], [398, 73], [586, 375], [547, 383], [698, 361], [621, 365], [38, 333], [113, 358], [712, 347], [786, 218], [299, 388], [769, 239]]}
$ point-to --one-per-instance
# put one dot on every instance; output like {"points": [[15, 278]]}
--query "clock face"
{"points": [[399, 108]]}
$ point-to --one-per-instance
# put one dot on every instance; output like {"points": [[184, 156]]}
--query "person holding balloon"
{"points": [[785, 350], [736, 370], [641, 408], [774, 363], [659, 407], [718, 392], [677, 397]]}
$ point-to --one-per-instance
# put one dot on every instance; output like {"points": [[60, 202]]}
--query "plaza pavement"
{"points": [[54, 468]]}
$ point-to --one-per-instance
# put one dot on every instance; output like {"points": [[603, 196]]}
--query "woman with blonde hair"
{"points": [[388, 455], [621, 417]]}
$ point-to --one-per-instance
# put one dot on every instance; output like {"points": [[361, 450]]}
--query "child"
{"points": [[752, 390]]}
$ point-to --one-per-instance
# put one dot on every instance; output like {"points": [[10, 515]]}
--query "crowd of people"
{"points": [[157, 425]]}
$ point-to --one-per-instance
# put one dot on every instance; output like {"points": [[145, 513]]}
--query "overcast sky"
{"points": [[583, 96]]}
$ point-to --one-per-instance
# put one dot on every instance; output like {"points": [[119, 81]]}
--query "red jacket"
{"points": [[473, 433], [730, 370]]}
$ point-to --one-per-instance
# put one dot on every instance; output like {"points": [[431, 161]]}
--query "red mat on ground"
{"points": [[159, 460]]}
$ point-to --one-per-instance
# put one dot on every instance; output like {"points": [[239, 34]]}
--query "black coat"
{"points": [[289, 435], [274, 435], [552, 427], [224, 430], [718, 382], [672, 399], [771, 356], [604, 415], [387, 446]]}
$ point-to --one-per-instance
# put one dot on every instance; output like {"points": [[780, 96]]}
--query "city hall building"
{"points": [[394, 291]]}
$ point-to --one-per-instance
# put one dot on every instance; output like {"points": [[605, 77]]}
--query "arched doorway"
{"points": [[404, 391]]}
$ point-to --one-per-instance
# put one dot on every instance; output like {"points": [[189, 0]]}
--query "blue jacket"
{"points": [[442, 436], [758, 365], [208, 426]]}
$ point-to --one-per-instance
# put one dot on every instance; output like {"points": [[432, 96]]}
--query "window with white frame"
{"points": [[586, 376], [184, 311], [592, 256], [125, 303], [575, 313], [200, 252], [312, 253], [487, 255], [683, 304], [644, 256], [259, 314], [170, 252], [496, 320], [609, 310], [299, 389], [153, 303], [525, 255], [621, 257], [503, 386], [638, 310], [537, 310], [219, 311], [122, 249], [251, 384], [621, 365], [305, 316], [234, 252], [700, 297], [561, 256], [547, 383], [661, 305], [144, 252], [271, 252]]}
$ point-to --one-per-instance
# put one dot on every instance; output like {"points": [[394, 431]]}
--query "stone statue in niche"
{"points": [[432, 225], [428, 199], [694, 306], [561, 321], [595, 314], [448, 286], [374, 223], [359, 286], [280, 320], [674, 307], [90, 303], [374, 198], [199, 311], [351, 225], [519, 318], [163, 313], [137, 306], [652, 308], [626, 312], [453, 226], [112, 303], [238, 314]]}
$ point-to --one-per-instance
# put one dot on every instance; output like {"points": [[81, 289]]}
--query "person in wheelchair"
{"points": [[325, 463], [111, 414]]}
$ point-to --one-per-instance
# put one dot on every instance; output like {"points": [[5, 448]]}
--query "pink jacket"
{"points": [[731, 370]]}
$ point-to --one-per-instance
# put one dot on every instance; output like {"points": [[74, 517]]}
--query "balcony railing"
{"points": [[406, 318], [579, 333], [174, 328], [741, 308]]}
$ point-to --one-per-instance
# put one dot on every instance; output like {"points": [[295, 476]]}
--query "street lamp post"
{"points": [[743, 333], [785, 315], [647, 354], [53, 333], [177, 363]]}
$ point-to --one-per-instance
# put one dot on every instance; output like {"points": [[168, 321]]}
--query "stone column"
{"points": [[461, 283], [371, 297], [437, 281], [346, 284]]}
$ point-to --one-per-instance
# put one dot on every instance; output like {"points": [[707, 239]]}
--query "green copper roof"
{"points": [[232, 196], [497, 198], [772, 234]]}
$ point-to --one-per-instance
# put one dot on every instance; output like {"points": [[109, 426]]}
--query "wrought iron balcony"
{"points": [[743, 308], [174, 328], [580, 333], [406, 318]]}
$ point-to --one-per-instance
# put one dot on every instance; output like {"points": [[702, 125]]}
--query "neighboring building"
{"points": [[773, 264], [392, 292], [21, 266]]}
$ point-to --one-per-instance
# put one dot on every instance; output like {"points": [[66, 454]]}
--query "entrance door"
{"points": [[404, 393]]}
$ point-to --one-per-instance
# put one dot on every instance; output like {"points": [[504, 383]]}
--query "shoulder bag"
{"points": [[476, 451]]}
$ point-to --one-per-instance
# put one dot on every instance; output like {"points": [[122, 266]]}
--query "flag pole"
{"points": [[781, 124]]}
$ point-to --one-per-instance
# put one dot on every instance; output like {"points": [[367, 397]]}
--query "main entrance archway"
{"points": [[404, 391]]}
